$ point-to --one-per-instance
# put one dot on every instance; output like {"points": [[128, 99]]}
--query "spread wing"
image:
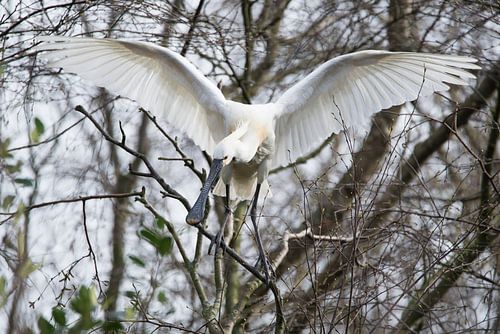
{"points": [[347, 90], [158, 79]]}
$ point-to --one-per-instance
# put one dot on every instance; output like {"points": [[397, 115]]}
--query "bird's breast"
{"points": [[264, 150]]}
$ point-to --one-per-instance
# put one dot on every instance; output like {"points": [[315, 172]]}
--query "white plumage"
{"points": [[250, 139]]}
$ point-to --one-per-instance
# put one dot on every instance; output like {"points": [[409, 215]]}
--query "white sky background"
{"points": [[56, 235]]}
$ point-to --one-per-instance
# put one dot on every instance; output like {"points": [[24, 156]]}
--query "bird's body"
{"points": [[245, 141], [253, 144]]}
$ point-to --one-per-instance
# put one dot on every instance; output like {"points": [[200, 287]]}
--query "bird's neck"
{"points": [[242, 142], [246, 147]]}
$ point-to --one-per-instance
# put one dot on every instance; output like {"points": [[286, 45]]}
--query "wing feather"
{"points": [[347, 90], [157, 78]]}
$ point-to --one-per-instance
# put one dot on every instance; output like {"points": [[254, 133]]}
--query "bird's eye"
{"points": [[225, 157]]}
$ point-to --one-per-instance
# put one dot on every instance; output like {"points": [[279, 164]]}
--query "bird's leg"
{"points": [[228, 215], [197, 212], [262, 255]]}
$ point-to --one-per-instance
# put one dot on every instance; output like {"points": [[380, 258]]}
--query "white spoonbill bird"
{"points": [[244, 140]]}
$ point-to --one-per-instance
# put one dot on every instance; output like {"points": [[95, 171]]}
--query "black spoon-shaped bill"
{"points": [[197, 212]]}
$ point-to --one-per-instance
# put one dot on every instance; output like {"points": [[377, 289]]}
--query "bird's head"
{"points": [[227, 149], [224, 151]]}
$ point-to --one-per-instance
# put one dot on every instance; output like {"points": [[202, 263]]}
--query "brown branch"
{"points": [[246, 11], [422, 151], [48, 140], [234, 75], [280, 319], [486, 233], [91, 250], [163, 325], [42, 10], [167, 188], [305, 158], [268, 27], [124, 182], [333, 206], [63, 201], [329, 278], [188, 162], [208, 311], [228, 250], [189, 35], [172, 193]]}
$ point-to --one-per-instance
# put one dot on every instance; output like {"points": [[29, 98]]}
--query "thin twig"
{"points": [[189, 35], [91, 250], [187, 161], [308, 232], [48, 140], [162, 324], [168, 189], [69, 200]]}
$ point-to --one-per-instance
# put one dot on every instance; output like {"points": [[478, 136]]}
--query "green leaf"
{"points": [[40, 128], [85, 302], [37, 132], [59, 316], [4, 148], [129, 313], [165, 246], [149, 235], [131, 294], [28, 267], [136, 260], [11, 169], [162, 244], [7, 201], [112, 326], [35, 136], [45, 327], [162, 297], [24, 181], [160, 222]]}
